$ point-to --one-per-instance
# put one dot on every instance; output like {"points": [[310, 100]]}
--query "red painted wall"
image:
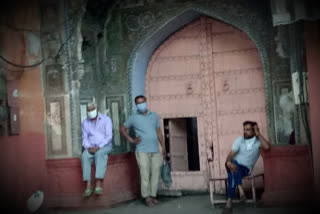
{"points": [[292, 173], [65, 176], [287, 174], [22, 162], [24, 170], [23, 165], [312, 35]]}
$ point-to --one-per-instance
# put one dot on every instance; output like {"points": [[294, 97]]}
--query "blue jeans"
{"points": [[235, 178]]}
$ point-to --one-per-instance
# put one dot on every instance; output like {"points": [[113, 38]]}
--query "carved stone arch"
{"points": [[252, 24]]}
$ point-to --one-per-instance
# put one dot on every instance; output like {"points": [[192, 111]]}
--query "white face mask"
{"points": [[92, 114], [250, 142]]}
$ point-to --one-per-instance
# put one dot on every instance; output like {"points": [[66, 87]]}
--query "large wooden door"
{"points": [[212, 71]]}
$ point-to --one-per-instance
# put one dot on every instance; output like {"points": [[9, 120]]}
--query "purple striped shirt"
{"points": [[97, 133]]}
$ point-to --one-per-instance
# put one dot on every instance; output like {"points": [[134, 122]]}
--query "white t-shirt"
{"points": [[248, 151]]}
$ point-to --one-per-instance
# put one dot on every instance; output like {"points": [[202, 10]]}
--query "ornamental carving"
{"points": [[132, 22], [54, 79], [146, 19]]}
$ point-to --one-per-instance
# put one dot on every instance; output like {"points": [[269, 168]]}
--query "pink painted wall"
{"points": [[312, 34], [23, 165]]}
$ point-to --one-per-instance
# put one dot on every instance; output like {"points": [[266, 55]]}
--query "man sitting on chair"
{"points": [[240, 161]]}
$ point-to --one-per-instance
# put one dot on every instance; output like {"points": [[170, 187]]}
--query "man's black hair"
{"points": [[138, 97], [252, 123]]}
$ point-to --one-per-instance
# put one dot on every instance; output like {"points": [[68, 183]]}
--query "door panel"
{"points": [[239, 91], [178, 145]]}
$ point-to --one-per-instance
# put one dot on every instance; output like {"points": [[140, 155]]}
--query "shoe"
{"points": [[87, 192], [98, 190]]}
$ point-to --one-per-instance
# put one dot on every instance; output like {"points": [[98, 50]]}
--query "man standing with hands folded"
{"points": [[148, 136]]}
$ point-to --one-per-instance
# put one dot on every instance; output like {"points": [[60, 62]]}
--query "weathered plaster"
{"points": [[33, 43], [61, 74]]}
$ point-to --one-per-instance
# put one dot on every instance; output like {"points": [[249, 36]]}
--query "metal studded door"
{"points": [[173, 86], [212, 71], [238, 88]]}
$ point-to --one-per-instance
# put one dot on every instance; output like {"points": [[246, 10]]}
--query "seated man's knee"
{"points": [[85, 154], [100, 153]]}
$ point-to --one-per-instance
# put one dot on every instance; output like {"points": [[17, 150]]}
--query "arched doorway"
{"points": [[204, 81]]}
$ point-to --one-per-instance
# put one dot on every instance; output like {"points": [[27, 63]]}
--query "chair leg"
{"points": [[253, 191], [211, 187], [226, 187]]}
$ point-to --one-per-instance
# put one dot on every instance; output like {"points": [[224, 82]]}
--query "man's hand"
{"points": [[232, 166], [93, 150], [137, 140], [256, 130], [164, 153]]}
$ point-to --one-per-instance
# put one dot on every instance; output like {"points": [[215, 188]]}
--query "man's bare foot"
{"points": [[242, 195], [229, 203], [89, 185], [228, 208]]}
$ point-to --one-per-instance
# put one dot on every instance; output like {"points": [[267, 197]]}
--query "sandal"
{"points": [[98, 190], [87, 192], [155, 201], [149, 202], [243, 198], [227, 210]]}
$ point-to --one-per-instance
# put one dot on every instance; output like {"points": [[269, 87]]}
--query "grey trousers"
{"points": [[100, 158], [149, 165]]}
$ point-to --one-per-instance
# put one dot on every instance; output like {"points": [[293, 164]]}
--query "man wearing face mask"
{"points": [[240, 161], [97, 144], [148, 136]]}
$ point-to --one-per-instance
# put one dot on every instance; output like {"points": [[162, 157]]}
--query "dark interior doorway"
{"points": [[181, 139]]}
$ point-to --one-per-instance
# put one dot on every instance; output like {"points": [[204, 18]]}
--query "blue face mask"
{"points": [[142, 107]]}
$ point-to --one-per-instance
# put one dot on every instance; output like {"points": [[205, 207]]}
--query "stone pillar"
{"points": [[3, 105], [298, 66], [61, 76], [77, 71], [75, 113]]}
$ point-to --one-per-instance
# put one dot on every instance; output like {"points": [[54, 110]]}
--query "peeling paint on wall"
{"points": [[33, 43], [287, 106]]}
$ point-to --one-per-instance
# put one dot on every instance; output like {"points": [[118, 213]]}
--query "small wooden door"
{"points": [[178, 145]]}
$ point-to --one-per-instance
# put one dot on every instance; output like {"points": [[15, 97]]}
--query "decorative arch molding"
{"points": [[256, 24]]}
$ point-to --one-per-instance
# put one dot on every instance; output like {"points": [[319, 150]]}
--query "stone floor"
{"points": [[195, 204]]}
